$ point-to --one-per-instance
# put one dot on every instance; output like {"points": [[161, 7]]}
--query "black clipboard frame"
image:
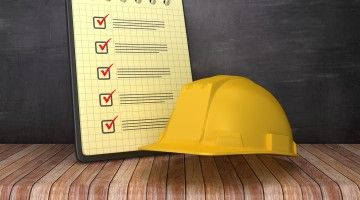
{"points": [[76, 117]]}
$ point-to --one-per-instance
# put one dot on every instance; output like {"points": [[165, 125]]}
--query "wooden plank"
{"points": [[8, 153], [100, 185], [60, 188], [79, 188], [329, 188], [156, 187], [213, 185], [41, 189], [27, 155], [12, 155], [22, 188], [8, 182], [290, 187], [233, 188], [345, 152], [194, 179], [119, 186], [6, 147], [337, 162], [176, 177], [351, 148], [347, 187], [272, 188], [310, 189], [342, 155], [252, 186], [139, 180]]}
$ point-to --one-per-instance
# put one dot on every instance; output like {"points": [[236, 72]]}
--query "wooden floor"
{"points": [[52, 172]]}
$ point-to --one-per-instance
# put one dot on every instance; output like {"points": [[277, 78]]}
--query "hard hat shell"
{"points": [[224, 115]]}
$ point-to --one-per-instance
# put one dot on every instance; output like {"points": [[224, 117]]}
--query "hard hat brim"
{"points": [[207, 150]]}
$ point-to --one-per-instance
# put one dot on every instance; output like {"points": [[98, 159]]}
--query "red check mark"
{"points": [[100, 22], [107, 99], [107, 70], [102, 47], [108, 126]]}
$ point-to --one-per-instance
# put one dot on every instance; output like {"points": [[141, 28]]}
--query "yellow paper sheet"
{"points": [[131, 62]]}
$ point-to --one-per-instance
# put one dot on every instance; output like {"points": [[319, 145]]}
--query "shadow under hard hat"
{"points": [[225, 115]]}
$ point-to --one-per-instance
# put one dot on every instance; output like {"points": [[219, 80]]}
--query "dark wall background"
{"points": [[307, 53]]}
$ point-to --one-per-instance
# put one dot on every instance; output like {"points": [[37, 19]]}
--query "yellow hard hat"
{"points": [[224, 115]]}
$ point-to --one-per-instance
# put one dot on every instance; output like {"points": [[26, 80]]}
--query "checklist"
{"points": [[129, 62]]}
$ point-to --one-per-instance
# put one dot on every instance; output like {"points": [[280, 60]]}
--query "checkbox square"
{"points": [[100, 50], [99, 23], [105, 100], [101, 71], [104, 126]]}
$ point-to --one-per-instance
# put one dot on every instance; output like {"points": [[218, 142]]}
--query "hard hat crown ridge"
{"points": [[224, 115]]}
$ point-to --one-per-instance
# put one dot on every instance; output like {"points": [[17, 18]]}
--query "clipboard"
{"points": [[129, 60]]}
